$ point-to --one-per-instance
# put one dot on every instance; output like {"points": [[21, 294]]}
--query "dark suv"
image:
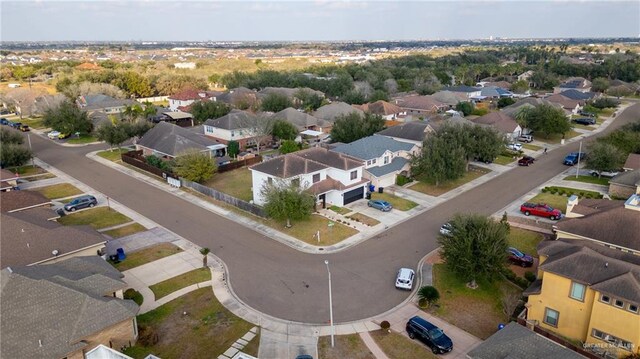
{"points": [[585, 121], [80, 203], [429, 334]]}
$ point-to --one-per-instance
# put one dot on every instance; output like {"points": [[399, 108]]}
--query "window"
{"points": [[354, 175], [577, 291], [633, 308], [620, 343], [373, 162], [316, 178], [369, 163], [233, 133], [551, 317], [605, 299], [296, 182], [386, 159], [618, 303]]}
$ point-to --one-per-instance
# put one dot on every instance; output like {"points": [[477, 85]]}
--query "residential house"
{"points": [[182, 119], [303, 121], [414, 132], [167, 140], [625, 184], [237, 126], [383, 158], [334, 110], [421, 105], [570, 106], [240, 98], [103, 103], [188, 96], [333, 178], [385, 109], [516, 341], [576, 83], [506, 85], [525, 76], [502, 122], [531, 102], [632, 162], [589, 293], [450, 98], [494, 92], [8, 180], [65, 309], [16, 201], [579, 95], [466, 91], [290, 93]]}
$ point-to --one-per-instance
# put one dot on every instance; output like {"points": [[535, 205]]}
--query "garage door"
{"points": [[353, 195]]}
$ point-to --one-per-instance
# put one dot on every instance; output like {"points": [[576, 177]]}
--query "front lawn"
{"points": [[431, 189], [477, 311], [125, 230], [340, 210], [525, 241], [531, 147], [27, 170], [147, 255], [359, 217], [59, 190], [397, 346], [184, 280], [556, 138], [589, 179], [35, 123], [97, 218], [82, 139], [306, 230], [398, 203], [504, 160], [236, 183], [346, 346], [206, 331], [113, 156], [554, 200]]}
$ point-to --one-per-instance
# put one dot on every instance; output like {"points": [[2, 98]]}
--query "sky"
{"points": [[320, 20]]}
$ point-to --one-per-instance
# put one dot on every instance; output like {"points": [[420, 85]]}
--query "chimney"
{"points": [[572, 202]]}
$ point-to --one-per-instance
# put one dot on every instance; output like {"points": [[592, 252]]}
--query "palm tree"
{"points": [[204, 251], [428, 295]]}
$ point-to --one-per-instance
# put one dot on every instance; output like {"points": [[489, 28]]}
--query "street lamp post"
{"points": [[326, 262], [579, 155]]}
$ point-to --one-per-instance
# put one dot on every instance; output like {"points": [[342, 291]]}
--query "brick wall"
{"points": [[116, 336]]}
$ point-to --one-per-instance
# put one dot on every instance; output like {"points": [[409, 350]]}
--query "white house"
{"points": [[383, 157], [186, 97], [333, 178]]}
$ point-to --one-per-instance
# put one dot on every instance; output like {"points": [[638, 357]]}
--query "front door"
{"points": [[323, 198]]}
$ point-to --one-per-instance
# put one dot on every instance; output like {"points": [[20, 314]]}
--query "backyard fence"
{"points": [[136, 159], [238, 164], [208, 191]]}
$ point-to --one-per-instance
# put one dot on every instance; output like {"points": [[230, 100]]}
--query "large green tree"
{"points": [[284, 130], [308, 101], [544, 119], [67, 118], [605, 157], [195, 166], [275, 102], [113, 133], [12, 150], [626, 139], [476, 247], [287, 201], [440, 160], [599, 84], [465, 107], [288, 146], [204, 110], [353, 126]]}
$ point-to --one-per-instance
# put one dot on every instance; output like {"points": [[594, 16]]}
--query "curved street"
{"points": [[285, 283]]}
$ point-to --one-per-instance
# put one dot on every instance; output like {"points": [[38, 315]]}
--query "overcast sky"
{"points": [[314, 20]]}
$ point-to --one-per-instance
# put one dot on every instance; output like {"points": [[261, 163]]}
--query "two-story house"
{"points": [[383, 157], [302, 121], [576, 83], [467, 91], [333, 178], [414, 132], [188, 96], [387, 110], [103, 103], [237, 126]]}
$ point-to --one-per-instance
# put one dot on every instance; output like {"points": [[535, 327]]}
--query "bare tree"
{"points": [[47, 102], [23, 100], [259, 128], [89, 88]]}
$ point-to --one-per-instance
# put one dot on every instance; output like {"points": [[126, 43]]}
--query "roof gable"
{"points": [[234, 120], [172, 140], [371, 147], [414, 131]]}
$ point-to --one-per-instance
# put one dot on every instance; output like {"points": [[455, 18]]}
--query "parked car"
{"points": [[608, 174], [53, 135], [515, 146], [446, 229], [63, 136], [519, 258], [304, 356], [384, 206], [15, 125], [585, 121], [404, 279], [483, 160], [80, 203], [24, 128], [525, 138], [429, 334], [540, 210], [4, 121], [526, 161], [585, 113], [574, 157]]}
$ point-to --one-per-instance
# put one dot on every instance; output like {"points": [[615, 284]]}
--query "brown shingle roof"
{"points": [[566, 102], [423, 103], [499, 120], [188, 94], [633, 162], [15, 200], [380, 107]]}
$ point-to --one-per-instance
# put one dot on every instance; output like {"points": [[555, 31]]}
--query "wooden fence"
{"points": [[238, 164], [136, 159], [208, 191]]}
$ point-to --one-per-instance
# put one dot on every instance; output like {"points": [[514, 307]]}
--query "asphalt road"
{"points": [[282, 282]]}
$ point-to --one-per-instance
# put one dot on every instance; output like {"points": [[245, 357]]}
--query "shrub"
{"points": [[147, 336], [530, 276], [402, 180], [428, 294], [581, 194], [522, 283], [385, 325], [508, 273], [133, 295], [545, 190]]}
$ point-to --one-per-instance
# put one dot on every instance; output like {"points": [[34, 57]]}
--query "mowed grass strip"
{"points": [[306, 230], [59, 190], [97, 218], [206, 331], [113, 156], [525, 241], [397, 346], [431, 189], [147, 255], [398, 203], [504, 160], [346, 346], [82, 139], [603, 181], [184, 280], [531, 147], [236, 183], [125, 230]]}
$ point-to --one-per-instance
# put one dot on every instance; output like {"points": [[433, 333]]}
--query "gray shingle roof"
{"points": [[172, 140], [462, 88], [516, 341], [414, 131], [498, 120], [234, 120], [372, 147], [331, 111], [306, 161], [42, 304], [299, 119], [629, 178], [395, 165]]}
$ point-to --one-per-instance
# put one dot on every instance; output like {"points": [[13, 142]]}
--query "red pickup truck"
{"points": [[541, 210]]}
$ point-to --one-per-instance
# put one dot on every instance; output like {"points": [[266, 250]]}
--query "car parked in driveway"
{"points": [[526, 161], [429, 334], [525, 138], [519, 258], [384, 206], [404, 278], [80, 203], [607, 174], [587, 121], [53, 135], [515, 146], [540, 210], [573, 158]]}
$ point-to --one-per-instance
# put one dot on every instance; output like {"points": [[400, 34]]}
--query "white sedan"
{"points": [[514, 146], [53, 135]]}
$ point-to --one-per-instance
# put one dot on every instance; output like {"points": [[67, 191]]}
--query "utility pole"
{"points": [[579, 155]]}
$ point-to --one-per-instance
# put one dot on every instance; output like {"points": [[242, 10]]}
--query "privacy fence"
{"points": [[208, 191]]}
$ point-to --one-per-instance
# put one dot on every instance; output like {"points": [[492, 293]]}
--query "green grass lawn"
{"points": [[27, 170], [359, 217], [504, 160], [589, 179], [171, 285], [478, 311], [431, 189], [397, 346], [526, 241], [125, 230], [97, 218], [340, 210], [305, 230], [35, 123], [113, 156], [236, 183], [206, 331], [556, 138], [346, 346], [531, 147], [134, 295], [59, 190], [82, 139], [554, 200], [147, 255], [398, 203]]}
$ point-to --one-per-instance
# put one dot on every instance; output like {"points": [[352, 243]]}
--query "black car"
{"points": [[519, 258], [15, 125], [4, 121], [526, 161], [80, 203], [588, 114], [429, 334], [585, 121]]}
